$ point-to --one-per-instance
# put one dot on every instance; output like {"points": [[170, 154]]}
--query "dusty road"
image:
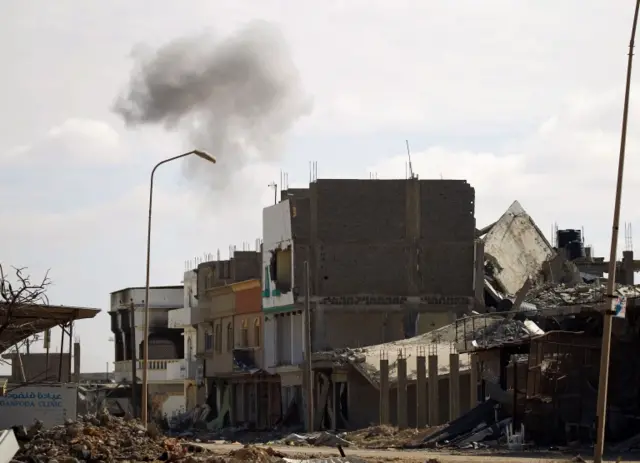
{"points": [[400, 455]]}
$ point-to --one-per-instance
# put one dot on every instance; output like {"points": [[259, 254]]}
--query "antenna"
{"points": [[410, 166], [315, 171], [274, 185], [218, 254]]}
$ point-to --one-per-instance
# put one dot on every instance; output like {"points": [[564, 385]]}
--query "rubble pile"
{"points": [[561, 295], [99, 437]]}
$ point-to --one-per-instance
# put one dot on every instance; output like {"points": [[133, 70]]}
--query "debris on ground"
{"points": [[99, 437], [317, 439], [384, 436]]}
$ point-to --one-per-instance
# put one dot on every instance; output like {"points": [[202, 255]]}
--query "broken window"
{"points": [[280, 269], [218, 337]]}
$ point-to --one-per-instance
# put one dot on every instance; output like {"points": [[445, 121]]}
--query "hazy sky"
{"points": [[521, 98]]}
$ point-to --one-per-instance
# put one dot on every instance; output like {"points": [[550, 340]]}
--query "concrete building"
{"points": [[40, 367], [185, 319], [230, 341], [388, 259], [166, 345]]}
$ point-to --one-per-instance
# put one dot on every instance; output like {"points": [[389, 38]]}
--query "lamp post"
{"points": [[605, 353], [145, 345]]}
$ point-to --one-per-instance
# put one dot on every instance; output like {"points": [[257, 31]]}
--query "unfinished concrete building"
{"points": [[388, 259], [570, 242]]}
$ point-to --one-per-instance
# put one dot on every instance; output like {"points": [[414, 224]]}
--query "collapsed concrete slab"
{"points": [[516, 249]]}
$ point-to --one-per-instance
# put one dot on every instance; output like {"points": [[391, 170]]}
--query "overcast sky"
{"points": [[521, 98]]}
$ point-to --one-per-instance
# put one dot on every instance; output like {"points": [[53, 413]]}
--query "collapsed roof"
{"points": [[27, 320]]}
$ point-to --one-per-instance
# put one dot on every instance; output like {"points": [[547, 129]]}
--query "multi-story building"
{"points": [[166, 345], [230, 341], [388, 259], [185, 319]]}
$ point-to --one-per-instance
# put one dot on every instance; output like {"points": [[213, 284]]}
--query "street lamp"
{"points": [[145, 345]]}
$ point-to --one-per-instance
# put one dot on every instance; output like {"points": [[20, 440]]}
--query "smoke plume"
{"points": [[236, 98]]}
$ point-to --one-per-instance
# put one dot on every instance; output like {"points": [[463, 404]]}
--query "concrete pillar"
{"points": [[478, 276], [434, 399], [627, 268], [384, 391], [335, 401], [473, 380], [454, 386], [242, 392], [412, 234], [256, 402], [233, 411], [269, 402], [76, 361], [402, 393], [421, 391]]}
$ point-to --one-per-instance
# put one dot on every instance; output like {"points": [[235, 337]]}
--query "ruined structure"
{"points": [[388, 259]]}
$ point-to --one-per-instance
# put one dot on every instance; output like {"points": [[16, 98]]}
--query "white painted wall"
{"points": [[276, 232], [174, 405], [170, 297], [51, 404]]}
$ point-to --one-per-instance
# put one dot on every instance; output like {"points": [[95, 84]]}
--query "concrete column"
{"points": [[627, 267], [256, 402], [384, 391], [434, 399], [402, 393], [336, 408], [473, 380], [76, 361], [454, 386], [412, 229], [242, 412], [478, 276], [421, 391], [269, 402], [233, 410]]}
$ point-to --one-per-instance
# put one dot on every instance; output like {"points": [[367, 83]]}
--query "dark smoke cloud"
{"points": [[236, 98]]}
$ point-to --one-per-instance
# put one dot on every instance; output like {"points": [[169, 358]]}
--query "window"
{"points": [[218, 338], [208, 342], [257, 332], [229, 337], [245, 333]]}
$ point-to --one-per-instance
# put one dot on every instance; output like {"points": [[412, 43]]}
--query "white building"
{"points": [[167, 364], [185, 319]]}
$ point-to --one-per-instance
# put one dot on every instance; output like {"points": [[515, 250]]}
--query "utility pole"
{"points": [[603, 384], [132, 347], [307, 348]]}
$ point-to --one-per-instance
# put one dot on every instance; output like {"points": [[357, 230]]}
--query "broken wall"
{"points": [[516, 248]]}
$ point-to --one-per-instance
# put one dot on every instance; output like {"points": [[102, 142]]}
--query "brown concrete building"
{"points": [[387, 259], [230, 341]]}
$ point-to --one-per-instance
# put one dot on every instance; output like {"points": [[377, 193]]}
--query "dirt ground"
{"points": [[406, 456]]}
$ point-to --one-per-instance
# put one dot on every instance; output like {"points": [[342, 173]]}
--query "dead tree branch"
{"points": [[19, 293]]}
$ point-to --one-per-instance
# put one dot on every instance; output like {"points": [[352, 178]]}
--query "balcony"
{"points": [[181, 318], [163, 370]]}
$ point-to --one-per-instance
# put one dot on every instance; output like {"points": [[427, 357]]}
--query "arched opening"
{"points": [[229, 337], [245, 333], [257, 332]]}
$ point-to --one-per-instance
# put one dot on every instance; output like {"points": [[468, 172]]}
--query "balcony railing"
{"points": [[159, 370]]}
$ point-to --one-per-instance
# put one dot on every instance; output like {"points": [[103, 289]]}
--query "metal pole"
{"points": [[307, 330], [134, 355], [62, 331], [145, 342], [603, 384], [70, 349]]}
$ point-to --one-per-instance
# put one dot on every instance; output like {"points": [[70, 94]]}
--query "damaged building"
{"points": [[230, 323], [537, 345], [388, 259]]}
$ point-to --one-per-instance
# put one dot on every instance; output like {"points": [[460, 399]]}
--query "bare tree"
{"points": [[17, 294]]}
